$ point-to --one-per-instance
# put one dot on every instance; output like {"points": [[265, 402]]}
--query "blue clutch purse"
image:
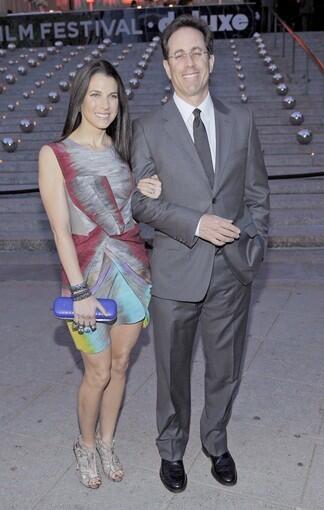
{"points": [[63, 309]]}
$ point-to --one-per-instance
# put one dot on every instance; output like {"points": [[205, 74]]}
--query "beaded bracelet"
{"points": [[80, 291], [81, 295], [79, 286]]}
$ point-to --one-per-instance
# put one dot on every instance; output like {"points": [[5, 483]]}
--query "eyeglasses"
{"points": [[196, 55]]}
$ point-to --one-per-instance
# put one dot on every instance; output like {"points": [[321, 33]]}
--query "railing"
{"points": [[310, 55]]}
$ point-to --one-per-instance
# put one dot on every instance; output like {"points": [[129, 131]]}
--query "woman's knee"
{"points": [[98, 376], [119, 364]]}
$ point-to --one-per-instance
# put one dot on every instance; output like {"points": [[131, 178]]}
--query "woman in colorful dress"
{"points": [[86, 186]]}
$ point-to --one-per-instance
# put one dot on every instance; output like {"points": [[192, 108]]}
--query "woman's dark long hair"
{"points": [[119, 129]]}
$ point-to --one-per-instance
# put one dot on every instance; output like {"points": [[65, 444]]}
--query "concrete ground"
{"points": [[276, 433]]}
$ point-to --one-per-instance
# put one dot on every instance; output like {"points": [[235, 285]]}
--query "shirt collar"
{"points": [[186, 109]]}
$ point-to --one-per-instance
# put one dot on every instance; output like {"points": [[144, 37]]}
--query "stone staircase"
{"points": [[297, 204]]}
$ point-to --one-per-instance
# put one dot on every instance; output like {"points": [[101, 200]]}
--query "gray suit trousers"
{"points": [[222, 316]]}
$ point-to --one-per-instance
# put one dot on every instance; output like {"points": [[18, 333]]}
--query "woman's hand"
{"points": [[150, 186], [85, 313]]}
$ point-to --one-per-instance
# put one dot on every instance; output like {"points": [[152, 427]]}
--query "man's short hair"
{"points": [[186, 20]]}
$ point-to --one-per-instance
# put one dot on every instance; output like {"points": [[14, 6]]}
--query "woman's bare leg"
{"points": [[95, 380], [123, 339]]}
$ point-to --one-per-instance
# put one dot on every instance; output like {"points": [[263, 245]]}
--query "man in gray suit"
{"points": [[210, 235]]}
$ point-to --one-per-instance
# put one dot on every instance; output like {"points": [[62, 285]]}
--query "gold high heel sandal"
{"points": [[86, 465], [111, 464]]}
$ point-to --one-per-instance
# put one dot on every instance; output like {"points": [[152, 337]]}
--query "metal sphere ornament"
{"points": [[11, 107], [231, 41], [26, 125], [296, 118], [262, 53], [130, 45], [282, 89], [261, 46], [107, 41], [51, 50], [256, 35], [272, 68], [235, 53], [125, 51], [72, 75], [58, 67], [237, 60], [42, 56], [3, 69], [138, 73], [238, 67], [233, 46], [9, 144], [241, 76], [32, 62], [22, 70], [168, 88], [267, 61], [242, 86], [244, 98], [289, 102], [38, 84], [87, 58], [146, 57], [277, 78], [165, 99], [95, 53], [58, 44], [25, 94], [11, 47], [79, 65], [41, 110], [134, 83], [64, 85], [142, 64], [129, 93], [53, 96], [10, 79], [304, 136], [149, 51], [11, 62], [48, 75], [120, 57], [101, 48], [65, 60], [73, 53], [115, 63], [156, 39], [3, 53]]}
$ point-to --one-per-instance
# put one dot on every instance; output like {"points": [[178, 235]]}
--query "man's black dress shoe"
{"points": [[223, 468], [173, 475]]}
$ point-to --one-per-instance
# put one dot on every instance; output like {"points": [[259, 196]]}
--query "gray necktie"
{"points": [[202, 146]]}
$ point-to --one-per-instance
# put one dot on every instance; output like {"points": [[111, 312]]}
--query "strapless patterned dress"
{"points": [[111, 254]]}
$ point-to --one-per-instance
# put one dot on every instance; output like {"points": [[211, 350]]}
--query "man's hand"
{"points": [[217, 230]]}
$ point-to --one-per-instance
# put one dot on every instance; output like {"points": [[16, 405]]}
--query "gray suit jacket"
{"points": [[181, 262]]}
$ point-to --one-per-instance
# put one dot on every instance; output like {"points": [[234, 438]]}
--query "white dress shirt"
{"points": [[207, 116]]}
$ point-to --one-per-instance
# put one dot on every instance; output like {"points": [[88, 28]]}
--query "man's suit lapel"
{"points": [[223, 140], [178, 132]]}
